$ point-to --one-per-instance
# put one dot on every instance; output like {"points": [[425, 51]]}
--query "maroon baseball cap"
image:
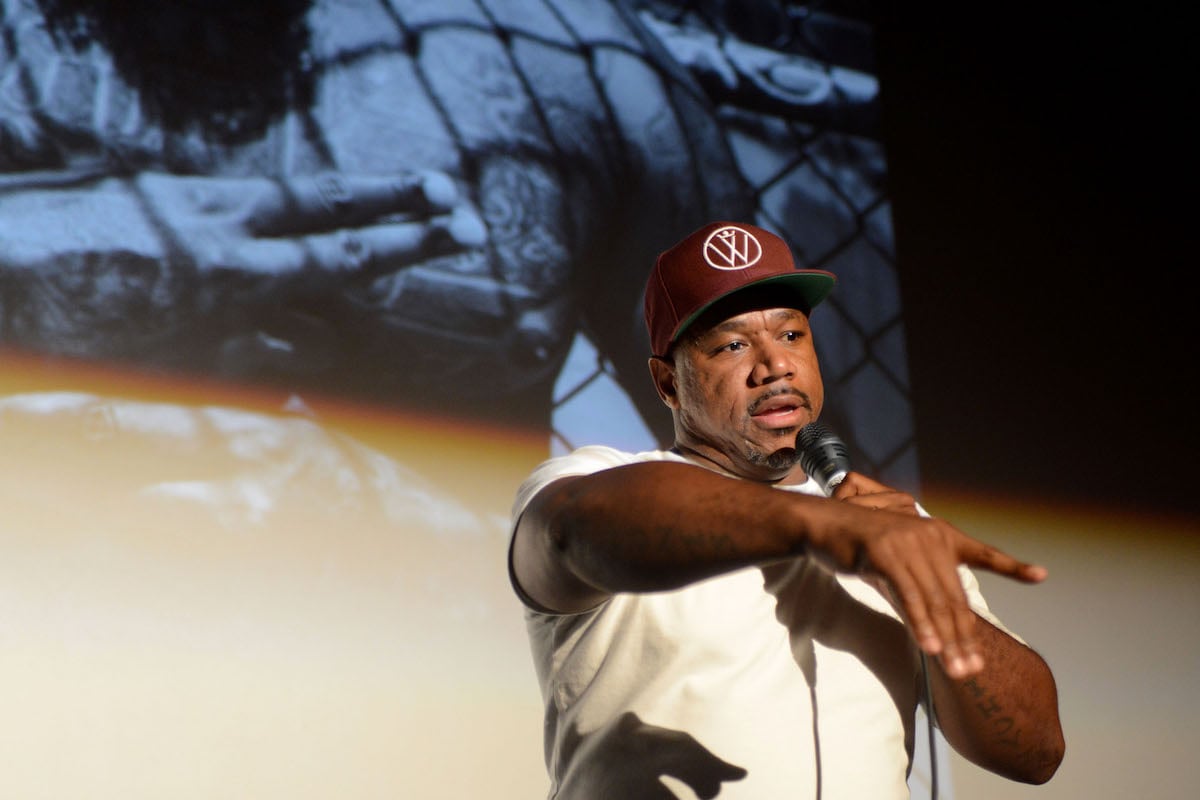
{"points": [[715, 261]]}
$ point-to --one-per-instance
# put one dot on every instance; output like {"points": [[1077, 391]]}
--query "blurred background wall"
{"points": [[1043, 257]]}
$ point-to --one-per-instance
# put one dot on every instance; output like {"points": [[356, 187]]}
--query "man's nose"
{"points": [[773, 362]]}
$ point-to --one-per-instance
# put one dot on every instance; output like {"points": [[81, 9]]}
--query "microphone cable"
{"points": [[825, 458], [929, 721]]}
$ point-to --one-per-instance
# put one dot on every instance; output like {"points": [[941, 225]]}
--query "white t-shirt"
{"points": [[806, 680]]}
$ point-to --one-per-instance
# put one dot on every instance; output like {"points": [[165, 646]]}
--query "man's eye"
{"points": [[733, 347], [793, 336]]}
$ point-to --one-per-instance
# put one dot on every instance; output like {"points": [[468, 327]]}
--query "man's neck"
{"points": [[794, 476]]}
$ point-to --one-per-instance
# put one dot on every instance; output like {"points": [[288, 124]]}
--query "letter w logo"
{"points": [[731, 248]]}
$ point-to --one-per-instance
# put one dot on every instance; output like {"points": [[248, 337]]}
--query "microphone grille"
{"points": [[823, 455], [810, 435]]}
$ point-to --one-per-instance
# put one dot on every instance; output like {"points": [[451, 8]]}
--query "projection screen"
{"points": [[294, 293]]}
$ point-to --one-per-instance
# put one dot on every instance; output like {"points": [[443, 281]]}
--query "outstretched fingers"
{"points": [[984, 556], [921, 565], [937, 610], [919, 559]]}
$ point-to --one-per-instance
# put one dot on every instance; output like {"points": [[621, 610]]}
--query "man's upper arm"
{"points": [[540, 574]]}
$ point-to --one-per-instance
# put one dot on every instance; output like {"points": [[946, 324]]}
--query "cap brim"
{"points": [[811, 286]]}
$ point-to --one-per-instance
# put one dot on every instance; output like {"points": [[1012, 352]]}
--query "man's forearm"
{"points": [[1005, 719]]}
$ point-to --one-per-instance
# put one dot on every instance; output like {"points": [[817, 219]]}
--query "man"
{"points": [[694, 626]]}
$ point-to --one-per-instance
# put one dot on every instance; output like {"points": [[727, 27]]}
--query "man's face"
{"points": [[741, 387]]}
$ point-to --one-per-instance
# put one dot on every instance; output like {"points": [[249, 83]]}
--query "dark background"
{"points": [[1039, 190]]}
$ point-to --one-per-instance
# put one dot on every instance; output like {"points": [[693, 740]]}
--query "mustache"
{"points": [[802, 399]]}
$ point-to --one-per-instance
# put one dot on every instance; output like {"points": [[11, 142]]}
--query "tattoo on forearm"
{"points": [[1004, 725]]}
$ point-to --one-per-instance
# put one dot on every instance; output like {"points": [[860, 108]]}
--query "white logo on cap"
{"points": [[731, 248]]}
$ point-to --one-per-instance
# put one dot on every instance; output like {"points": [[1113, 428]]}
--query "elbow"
{"points": [[1034, 764], [1054, 758], [1049, 757]]}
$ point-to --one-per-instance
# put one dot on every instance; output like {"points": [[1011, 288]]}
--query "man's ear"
{"points": [[663, 372]]}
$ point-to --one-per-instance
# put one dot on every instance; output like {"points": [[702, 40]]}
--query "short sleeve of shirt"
{"points": [[582, 461]]}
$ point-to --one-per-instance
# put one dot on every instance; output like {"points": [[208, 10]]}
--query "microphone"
{"points": [[823, 456]]}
